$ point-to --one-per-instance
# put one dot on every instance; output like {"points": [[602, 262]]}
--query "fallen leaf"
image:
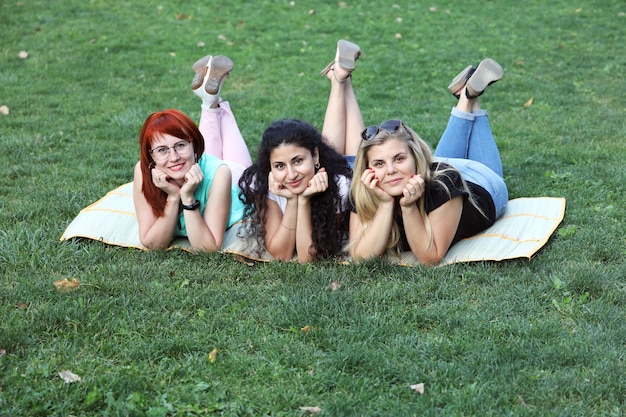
{"points": [[4, 110], [23, 54], [306, 328], [521, 400], [213, 355], [418, 387], [69, 376], [311, 12], [529, 103], [67, 285], [243, 260], [21, 306], [312, 410], [334, 286]]}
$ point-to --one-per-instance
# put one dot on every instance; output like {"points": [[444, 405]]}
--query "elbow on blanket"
{"points": [[152, 245], [429, 260]]}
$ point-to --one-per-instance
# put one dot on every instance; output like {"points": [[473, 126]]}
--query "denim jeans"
{"points": [[468, 145]]}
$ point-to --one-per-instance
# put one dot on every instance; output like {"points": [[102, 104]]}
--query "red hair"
{"points": [[171, 122]]}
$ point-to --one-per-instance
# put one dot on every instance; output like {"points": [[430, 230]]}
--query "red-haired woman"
{"points": [[185, 182]]}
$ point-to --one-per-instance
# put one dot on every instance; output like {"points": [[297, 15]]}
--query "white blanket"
{"points": [[524, 228]]}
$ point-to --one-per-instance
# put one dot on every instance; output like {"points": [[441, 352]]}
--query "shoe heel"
{"points": [[487, 73], [200, 67], [460, 80], [347, 54], [221, 66]]}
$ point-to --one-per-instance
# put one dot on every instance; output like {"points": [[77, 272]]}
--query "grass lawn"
{"points": [[537, 337]]}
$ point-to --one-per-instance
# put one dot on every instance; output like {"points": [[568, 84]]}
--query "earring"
{"points": [[195, 157], [317, 165], [151, 165]]}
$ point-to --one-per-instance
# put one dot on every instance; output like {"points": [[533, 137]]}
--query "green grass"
{"points": [[533, 338]]}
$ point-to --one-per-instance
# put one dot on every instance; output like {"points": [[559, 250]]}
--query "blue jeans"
{"points": [[350, 160], [468, 145]]}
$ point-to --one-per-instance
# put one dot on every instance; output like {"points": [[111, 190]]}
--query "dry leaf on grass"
{"points": [[23, 54], [69, 376], [213, 356], [312, 410], [4, 109], [243, 260], [521, 400], [418, 387], [306, 329], [67, 285], [529, 103], [334, 286]]}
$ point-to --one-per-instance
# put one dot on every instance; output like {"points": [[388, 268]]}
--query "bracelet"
{"points": [[288, 228], [190, 206]]}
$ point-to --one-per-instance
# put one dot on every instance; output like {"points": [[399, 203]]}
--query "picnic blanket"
{"points": [[524, 228]]}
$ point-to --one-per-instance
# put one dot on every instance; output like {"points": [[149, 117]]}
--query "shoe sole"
{"points": [[459, 81], [221, 66], [348, 53], [487, 73], [200, 68]]}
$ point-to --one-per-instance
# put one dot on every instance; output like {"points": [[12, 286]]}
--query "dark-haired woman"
{"points": [[296, 193], [185, 182]]}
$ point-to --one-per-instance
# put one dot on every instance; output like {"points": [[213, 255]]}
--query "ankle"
{"points": [[340, 75]]}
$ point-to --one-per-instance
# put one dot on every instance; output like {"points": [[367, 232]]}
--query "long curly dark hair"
{"points": [[329, 221]]}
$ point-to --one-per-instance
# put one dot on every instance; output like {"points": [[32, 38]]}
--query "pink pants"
{"points": [[223, 139]]}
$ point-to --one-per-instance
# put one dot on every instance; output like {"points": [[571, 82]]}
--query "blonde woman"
{"points": [[407, 198]]}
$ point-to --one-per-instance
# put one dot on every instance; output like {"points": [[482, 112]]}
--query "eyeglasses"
{"points": [[390, 126], [161, 153]]}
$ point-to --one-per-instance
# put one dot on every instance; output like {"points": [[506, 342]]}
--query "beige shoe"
{"points": [[200, 67], [460, 80], [487, 73], [345, 58], [221, 66]]}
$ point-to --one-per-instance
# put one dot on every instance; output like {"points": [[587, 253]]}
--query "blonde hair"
{"points": [[366, 202]]}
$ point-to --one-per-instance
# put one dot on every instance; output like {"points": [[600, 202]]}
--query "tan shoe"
{"points": [[487, 73], [345, 59], [460, 80], [221, 66], [200, 67]]}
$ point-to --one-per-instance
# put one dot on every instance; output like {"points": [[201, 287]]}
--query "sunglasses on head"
{"points": [[390, 126]]}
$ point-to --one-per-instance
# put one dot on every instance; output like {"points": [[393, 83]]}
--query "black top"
{"points": [[472, 220]]}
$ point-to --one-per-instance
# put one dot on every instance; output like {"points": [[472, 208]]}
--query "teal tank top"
{"points": [[209, 164]]}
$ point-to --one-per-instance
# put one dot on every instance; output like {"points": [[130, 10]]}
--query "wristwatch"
{"points": [[191, 206]]}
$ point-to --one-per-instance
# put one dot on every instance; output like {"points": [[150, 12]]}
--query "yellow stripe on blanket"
{"points": [[524, 228]]}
